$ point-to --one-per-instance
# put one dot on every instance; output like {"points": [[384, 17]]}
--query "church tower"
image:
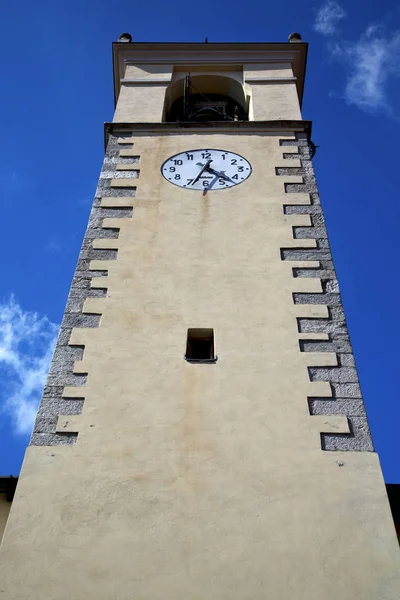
{"points": [[202, 434]]}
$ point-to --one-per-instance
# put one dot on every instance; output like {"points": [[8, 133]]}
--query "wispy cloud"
{"points": [[328, 17], [26, 347], [371, 62]]}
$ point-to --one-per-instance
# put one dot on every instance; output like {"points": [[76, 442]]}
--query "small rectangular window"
{"points": [[200, 345]]}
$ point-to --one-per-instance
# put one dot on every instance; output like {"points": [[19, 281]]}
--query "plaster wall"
{"points": [[269, 70], [235, 75], [140, 104], [192, 480], [4, 512], [272, 100], [145, 71]]}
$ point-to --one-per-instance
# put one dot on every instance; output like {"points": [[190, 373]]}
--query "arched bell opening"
{"points": [[202, 98]]}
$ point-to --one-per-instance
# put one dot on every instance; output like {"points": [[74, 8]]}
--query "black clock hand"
{"points": [[213, 172], [219, 174], [210, 186], [204, 167]]}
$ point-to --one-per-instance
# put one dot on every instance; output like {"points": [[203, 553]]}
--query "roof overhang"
{"points": [[184, 53]]}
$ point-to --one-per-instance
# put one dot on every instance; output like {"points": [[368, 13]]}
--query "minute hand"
{"points": [[218, 173], [202, 170]]}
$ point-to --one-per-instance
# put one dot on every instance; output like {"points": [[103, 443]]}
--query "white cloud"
{"points": [[26, 347], [372, 63], [328, 17]]}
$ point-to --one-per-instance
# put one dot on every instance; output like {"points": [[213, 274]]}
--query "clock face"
{"points": [[206, 169]]}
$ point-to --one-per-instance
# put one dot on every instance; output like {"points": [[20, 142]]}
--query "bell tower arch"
{"points": [[206, 97]]}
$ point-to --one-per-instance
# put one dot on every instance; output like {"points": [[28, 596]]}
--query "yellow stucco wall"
{"points": [[200, 481], [140, 72], [271, 96], [140, 104], [268, 70], [274, 101], [4, 512]]}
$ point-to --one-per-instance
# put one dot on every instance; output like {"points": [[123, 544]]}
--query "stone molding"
{"points": [[63, 395], [321, 320]]}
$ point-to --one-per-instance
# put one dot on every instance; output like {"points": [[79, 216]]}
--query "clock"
{"points": [[206, 169]]}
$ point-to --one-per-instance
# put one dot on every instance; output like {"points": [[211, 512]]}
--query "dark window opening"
{"points": [[210, 107], [200, 345], [205, 98]]}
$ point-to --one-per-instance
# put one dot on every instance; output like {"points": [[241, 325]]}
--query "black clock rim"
{"points": [[205, 150]]}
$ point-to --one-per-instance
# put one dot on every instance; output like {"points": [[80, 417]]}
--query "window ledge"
{"points": [[201, 360]]}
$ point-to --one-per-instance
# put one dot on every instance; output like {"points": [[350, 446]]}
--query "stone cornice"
{"points": [[235, 127]]}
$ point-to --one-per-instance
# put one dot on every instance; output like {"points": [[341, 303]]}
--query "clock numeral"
{"points": [[172, 169], [234, 177], [178, 162], [206, 155], [240, 169], [223, 157], [177, 176], [233, 161], [189, 156], [221, 181], [189, 181], [205, 183]]}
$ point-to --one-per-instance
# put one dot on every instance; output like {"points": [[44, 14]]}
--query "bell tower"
{"points": [[202, 433]]}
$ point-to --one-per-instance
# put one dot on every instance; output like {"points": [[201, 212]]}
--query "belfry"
{"points": [[202, 434]]}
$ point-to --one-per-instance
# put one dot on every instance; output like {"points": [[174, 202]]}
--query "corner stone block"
{"points": [[112, 223], [68, 424], [106, 244], [304, 264], [291, 179], [100, 265], [306, 285], [314, 336], [319, 389], [301, 199], [94, 306], [288, 163], [127, 140], [298, 220], [331, 423], [311, 311], [127, 167], [76, 392], [290, 149], [116, 202], [79, 336], [80, 367], [129, 154], [301, 243], [124, 183], [99, 283], [320, 359]]}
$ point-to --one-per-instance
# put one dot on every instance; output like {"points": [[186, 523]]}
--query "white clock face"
{"points": [[206, 169]]}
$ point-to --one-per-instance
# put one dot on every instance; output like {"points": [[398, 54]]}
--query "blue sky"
{"points": [[57, 92]]}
